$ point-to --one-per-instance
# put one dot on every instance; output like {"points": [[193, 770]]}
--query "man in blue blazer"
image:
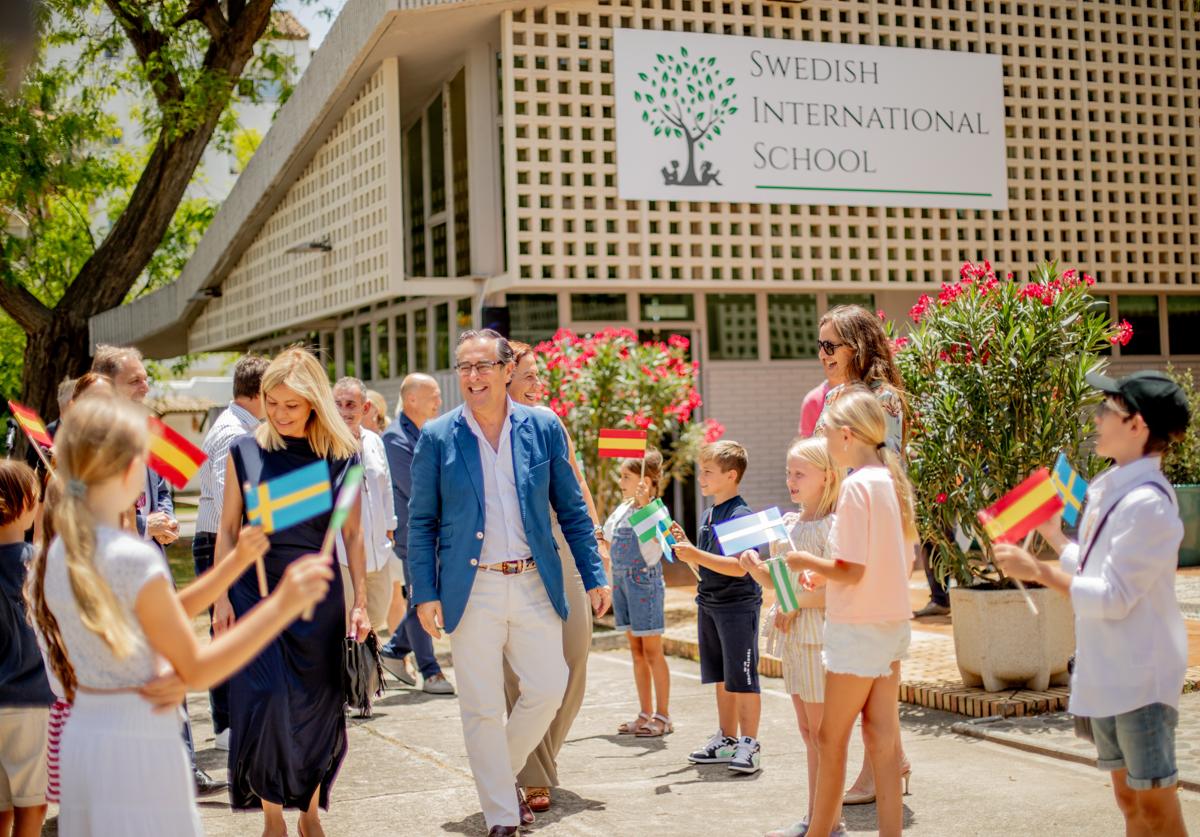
{"points": [[485, 566]]}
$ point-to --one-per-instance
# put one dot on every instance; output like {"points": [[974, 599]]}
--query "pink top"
{"points": [[868, 531], [811, 409]]}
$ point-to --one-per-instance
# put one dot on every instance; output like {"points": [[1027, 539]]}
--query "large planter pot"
{"points": [[999, 644], [1189, 511]]}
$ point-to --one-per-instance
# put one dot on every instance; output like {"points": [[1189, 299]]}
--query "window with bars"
{"points": [[437, 186]]}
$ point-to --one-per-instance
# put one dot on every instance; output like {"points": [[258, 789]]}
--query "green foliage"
{"points": [[76, 137], [1181, 462], [245, 143], [12, 347], [994, 372], [685, 97], [610, 380]]}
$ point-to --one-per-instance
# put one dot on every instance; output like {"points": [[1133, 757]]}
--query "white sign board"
{"points": [[763, 120]]}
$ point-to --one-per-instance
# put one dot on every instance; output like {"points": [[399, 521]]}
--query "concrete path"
{"points": [[407, 774]]}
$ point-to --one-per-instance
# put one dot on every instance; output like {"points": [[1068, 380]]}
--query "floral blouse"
{"points": [[893, 408]]}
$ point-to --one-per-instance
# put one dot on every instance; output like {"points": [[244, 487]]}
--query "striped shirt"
{"points": [[233, 423]]}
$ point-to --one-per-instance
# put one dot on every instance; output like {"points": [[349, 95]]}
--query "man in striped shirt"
{"points": [[241, 417]]}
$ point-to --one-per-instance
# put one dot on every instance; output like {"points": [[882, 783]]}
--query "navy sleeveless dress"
{"points": [[288, 729]]}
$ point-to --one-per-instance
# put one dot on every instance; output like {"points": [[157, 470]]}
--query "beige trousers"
{"points": [[541, 769], [379, 595]]}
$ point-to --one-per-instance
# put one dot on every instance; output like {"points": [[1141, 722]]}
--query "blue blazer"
{"points": [[445, 511]]}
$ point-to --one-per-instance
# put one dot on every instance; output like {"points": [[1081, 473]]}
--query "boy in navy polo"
{"points": [[728, 602]]}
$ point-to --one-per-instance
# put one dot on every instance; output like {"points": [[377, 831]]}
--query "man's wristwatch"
{"points": [[598, 531]]}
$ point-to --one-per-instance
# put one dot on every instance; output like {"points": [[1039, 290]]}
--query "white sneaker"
{"points": [[746, 756], [798, 829], [222, 742]]}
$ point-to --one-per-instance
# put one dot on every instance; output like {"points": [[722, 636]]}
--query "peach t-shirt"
{"points": [[868, 531]]}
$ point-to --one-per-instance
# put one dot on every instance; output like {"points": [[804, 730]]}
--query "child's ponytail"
{"points": [[101, 438], [37, 611], [859, 411]]}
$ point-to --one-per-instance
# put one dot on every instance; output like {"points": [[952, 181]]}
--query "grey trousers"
{"points": [[541, 769]]}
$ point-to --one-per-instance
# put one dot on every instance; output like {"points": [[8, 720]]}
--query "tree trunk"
{"points": [[689, 177], [57, 351]]}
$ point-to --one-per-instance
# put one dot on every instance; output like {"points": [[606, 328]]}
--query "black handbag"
{"points": [[362, 673]]}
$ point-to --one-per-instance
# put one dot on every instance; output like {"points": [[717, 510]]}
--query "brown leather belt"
{"points": [[511, 567]]}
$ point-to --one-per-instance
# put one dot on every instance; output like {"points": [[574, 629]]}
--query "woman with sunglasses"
{"points": [[854, 349]]}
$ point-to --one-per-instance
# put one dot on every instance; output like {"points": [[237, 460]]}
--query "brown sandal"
{"points": [[538, 799], [632, 727], [656, 727]]}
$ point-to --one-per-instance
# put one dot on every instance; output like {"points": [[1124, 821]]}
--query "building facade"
{"points": [[442, 161]]}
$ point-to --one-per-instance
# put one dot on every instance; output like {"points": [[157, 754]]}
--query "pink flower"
{"points": [[918, 310], [713, 430], [899, 343], [1088, 279], [941, 498], [678, 341], [1123, 334], [1069, 275], [882, 316]]}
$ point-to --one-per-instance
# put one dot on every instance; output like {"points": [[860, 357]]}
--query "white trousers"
{"points": [[508, 618]]}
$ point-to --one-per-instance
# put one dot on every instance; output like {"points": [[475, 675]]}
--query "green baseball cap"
{"points": [[1152, 395]]}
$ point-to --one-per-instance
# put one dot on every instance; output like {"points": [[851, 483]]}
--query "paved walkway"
{"points": [[407, 774]]}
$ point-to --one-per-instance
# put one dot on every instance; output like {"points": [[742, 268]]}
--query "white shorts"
{"points": [[396, 566], [865, 650]]}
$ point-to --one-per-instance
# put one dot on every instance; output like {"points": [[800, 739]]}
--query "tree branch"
{"points": [[147, 43], [26, 309], [208, 12]]}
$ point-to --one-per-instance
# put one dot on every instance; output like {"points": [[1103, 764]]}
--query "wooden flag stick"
{"points": [[1020, 586], [260, 566]]}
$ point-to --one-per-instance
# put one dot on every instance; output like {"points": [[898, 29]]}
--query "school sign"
{"points": [[761, 120]]}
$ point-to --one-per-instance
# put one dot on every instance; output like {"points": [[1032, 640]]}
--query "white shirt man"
{"points": [[378, 509]]}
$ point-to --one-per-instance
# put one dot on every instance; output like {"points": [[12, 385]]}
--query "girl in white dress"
{"points": [[796, 637], [112, 624]]}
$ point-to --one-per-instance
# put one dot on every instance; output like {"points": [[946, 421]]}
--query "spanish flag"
{"points": [[31, 423], [629, 444], [171, 455], [1023, 509]]}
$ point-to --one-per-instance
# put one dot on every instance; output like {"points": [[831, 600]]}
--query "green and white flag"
{"points": [[781, 577], [345, 501], [645, 521]]}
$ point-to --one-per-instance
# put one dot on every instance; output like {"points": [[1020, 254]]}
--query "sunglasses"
{"points": [[829, 347], [1106, 407]]}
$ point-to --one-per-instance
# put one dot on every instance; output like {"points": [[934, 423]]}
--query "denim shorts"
{"points": [[639, 597], [1142, 742]]}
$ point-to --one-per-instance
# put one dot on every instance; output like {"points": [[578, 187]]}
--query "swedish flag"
{"points": [[1071, 487], [295, 497]]}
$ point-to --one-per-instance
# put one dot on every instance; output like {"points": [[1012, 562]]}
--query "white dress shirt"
{"points": [[1130, 640], [378, 505], [503, 529], [233, 423]]}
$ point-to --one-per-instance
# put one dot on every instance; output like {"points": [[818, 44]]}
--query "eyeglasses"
{"points": [[829, 347], [481, 368]]}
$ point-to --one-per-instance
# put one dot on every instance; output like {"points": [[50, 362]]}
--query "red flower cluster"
{"points": [[1124, 334], [639, 420], [918, 310], [713, 430], [941, 498]]}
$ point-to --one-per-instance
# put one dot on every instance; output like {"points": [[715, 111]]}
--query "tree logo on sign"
{"points": [[687, 99]]}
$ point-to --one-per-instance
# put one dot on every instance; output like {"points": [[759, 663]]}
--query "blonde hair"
{"points": [[727, 455], [376, 398], [297, 369], [103, 437], [815, 452], [653, 467], [859, 411]]}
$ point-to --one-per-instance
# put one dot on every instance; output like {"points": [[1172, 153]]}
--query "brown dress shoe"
{"points": [[526, 813], [504, 831]]}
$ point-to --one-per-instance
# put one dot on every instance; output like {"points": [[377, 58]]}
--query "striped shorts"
{"points": [[59, 712]]}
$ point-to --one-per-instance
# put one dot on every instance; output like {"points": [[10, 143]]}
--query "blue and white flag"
{"points": [[742, 533], [1072, 488]]}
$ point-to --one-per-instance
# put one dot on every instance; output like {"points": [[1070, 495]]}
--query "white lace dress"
{"points": [[123, 767], [800, 647]]}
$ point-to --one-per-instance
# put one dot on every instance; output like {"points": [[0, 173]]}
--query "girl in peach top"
{"points": [[866, 607]]}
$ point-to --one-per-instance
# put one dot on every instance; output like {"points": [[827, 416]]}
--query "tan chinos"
{"points": [[541, 768]]}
